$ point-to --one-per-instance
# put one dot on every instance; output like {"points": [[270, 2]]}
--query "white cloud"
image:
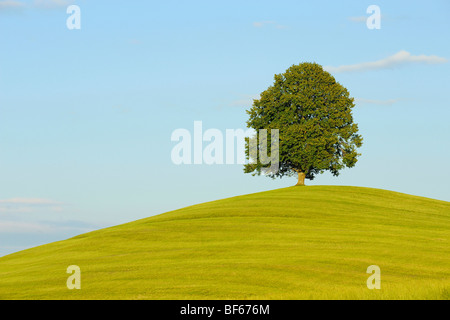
{"points": [[260, 24], [23, 227], [11, 4], [41, 4], [246, 100], [29, 205], [47, 227], [28, 201], [389, 102], [398, 59], [135, 41], [358, 19], [50, 4], [363, 19]]}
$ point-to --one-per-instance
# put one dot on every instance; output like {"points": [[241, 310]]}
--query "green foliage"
{"points": [[313, 113]]}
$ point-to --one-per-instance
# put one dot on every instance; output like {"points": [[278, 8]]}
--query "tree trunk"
{"points": [[301, 179]]}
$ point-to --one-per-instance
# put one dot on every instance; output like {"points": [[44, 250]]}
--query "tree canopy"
{"points": [[313, 113]]}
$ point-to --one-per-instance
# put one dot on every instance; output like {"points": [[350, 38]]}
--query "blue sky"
{"points": [[86, 115]]}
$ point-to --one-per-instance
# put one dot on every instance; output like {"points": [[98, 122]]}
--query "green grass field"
{"points": [[311, 242]]}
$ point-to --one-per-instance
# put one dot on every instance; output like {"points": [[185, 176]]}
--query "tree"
{"points": [[313, 113]]}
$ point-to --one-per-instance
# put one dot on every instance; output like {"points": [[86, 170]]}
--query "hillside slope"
{"points": [[295, 243]]}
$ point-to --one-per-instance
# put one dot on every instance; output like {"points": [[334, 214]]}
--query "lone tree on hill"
{"points": [[313, 113]]}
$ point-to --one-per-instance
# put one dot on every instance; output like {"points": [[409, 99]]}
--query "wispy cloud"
{"points": [[51, 4], [358, 19], [28, 201], [261, 24], [389, 102], [361, 19], [28, 205], [396, 60], [246, 100], [384, 17], [135, 41], [11, 4], [23, 227], [46, 227]]}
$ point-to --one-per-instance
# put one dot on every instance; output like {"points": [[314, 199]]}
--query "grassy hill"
{"points": [[295, 243]]}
